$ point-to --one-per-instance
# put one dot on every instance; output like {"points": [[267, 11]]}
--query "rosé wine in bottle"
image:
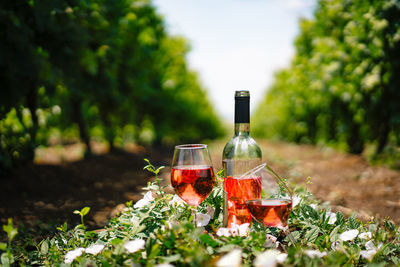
{"points": [[236, 208]]}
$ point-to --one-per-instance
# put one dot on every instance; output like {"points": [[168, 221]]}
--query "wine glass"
{"points": [[272, 207], [192, 175]]}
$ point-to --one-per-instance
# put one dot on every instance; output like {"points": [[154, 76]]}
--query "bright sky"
{"points": [[236, 44]]}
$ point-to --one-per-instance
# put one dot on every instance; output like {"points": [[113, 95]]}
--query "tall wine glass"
{"points": [[192, 175]]}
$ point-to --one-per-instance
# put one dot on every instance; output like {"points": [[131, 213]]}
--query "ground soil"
{"points": [[44, 194]]}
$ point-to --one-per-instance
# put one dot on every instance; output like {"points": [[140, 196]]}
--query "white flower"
{"points": [[134, 245], [223, 232], [369, 245], [332, 217], [56, 110], [271, 241], [210, 211], [348, 235], [168, 224], [148, 197], [313, 206], [335, 245], [270, 258], [71, 255], [240, 230], [367, 235], [234, 230], [94, 249], [177, 201], [312, 253], [371, 250], [232, 259], [202, 219], [295, 201], [368, 254], [281, 257]]}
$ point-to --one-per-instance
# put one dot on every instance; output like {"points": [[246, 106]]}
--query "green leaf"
{"points": [[44, 248], [333, 236], [208, 240], [353, 224], [312, 234], [172, 258], [116, 241], [372, 228], [10, 230], [395, 260], [7, 259], [340, 219], [3, 246], [309, 211], [85, 211], [155, 250], [390, 226]]}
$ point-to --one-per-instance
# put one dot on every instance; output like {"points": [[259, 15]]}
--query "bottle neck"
{"points": [[242, 129]]}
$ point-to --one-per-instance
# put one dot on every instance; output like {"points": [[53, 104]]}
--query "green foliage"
{"points": [[100, 66], [84, 211], [163, 232], [342, 85]]}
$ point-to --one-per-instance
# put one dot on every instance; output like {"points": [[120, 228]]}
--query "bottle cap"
{"points": [[242, 93]]}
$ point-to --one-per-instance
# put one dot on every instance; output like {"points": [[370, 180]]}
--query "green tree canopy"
{"points": [[342, 85], [98, 66]]}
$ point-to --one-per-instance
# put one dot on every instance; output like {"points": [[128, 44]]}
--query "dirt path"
{"points": [[43, 196]]}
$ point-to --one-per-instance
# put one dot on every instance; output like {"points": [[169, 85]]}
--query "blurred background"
{"points": [[90, 88]]}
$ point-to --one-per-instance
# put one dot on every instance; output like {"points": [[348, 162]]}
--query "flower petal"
{"points": [[269, 258], [223, 232], [270, 240], [295, 201], [202, 219], [94, 249], [370, 245], [332, 217], [232, 259], [312, 253], [335, 245], [281, 257], [243, 229], [148, 197], [368, 254], [71, 255], [134, 245], [177, 201], [366, 235], [348, 235], [210, 211]]}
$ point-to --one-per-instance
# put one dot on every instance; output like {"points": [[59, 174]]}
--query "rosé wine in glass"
{"points": [[192, 183]]}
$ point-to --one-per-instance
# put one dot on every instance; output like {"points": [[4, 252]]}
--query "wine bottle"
{"points": [[240, 155]]}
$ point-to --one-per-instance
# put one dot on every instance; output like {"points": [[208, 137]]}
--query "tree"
{"points": [[341, 86]]}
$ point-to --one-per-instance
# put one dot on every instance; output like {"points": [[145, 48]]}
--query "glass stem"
{"points": [[194, 212]]}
